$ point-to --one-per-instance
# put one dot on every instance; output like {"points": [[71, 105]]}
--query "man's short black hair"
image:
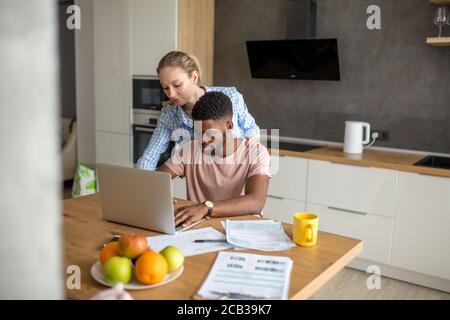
{"points": [[212, 106]]}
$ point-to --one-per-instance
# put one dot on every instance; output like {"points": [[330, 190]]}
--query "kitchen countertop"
{"points": [[369, 158]]}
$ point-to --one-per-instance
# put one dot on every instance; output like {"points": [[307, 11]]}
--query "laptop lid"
{"points": [[136, 197]]}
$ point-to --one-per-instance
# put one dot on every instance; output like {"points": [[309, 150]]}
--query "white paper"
{"points": [[237, 275], [185, 241], [264, 235]]}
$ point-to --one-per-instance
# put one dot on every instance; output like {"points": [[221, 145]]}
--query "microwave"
{"points": [[147, 93]]}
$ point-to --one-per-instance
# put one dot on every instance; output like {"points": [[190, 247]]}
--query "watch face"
{"points": [[209, 204]]}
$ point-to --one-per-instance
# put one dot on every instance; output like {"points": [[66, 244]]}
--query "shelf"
{"points": [[441, 2], [439, 42]]}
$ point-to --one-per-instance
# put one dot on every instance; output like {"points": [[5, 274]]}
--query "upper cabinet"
{"points": [[196, 33], [154, 33], [160, 26], [129, 38], [112, 66]]}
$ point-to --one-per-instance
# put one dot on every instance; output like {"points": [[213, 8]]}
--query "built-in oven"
{"points": [[144, 124], [147, 93]]}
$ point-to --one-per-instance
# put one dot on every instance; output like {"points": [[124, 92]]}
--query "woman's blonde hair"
{"points": [[187, 62]]}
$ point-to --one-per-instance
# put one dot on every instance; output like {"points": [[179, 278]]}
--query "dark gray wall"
{"points": [[66, 39], [390, 77]]}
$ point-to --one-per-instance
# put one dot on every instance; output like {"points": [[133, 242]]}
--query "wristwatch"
{"points": [[210, 207]]}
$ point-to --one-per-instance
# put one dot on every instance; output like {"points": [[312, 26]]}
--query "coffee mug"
{"points": [[305, 229]]}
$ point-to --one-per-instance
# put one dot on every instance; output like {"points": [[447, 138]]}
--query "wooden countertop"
{"points": [[369, 158], [85, 230]]}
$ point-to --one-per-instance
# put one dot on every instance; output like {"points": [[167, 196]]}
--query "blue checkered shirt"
{"points": [[173, 117]]}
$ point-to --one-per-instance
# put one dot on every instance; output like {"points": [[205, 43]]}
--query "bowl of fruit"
{"points": [[131, 261]]}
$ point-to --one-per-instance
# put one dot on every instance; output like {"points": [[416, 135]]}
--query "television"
{"points": [[307, 59]]}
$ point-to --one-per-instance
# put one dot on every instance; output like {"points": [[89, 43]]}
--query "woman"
{"points": [[179, 75]]}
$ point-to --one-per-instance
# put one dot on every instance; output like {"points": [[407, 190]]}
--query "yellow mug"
{"points": [[305, 229]]}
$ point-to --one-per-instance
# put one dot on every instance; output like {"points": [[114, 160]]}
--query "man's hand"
{"points": [[189, 214]]}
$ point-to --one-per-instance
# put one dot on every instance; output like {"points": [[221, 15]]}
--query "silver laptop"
{"points": [[138, 198]]}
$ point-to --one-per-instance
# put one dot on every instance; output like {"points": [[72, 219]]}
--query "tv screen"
{"points": [[310, 59]]}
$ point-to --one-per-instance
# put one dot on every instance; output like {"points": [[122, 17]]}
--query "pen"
{"points": [[210, 240]]}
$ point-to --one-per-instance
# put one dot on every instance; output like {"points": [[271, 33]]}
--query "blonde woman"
{"points": [[180, 74]]}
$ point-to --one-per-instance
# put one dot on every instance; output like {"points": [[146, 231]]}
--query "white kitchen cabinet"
{"points": [[112, 64], [422, 225], [289, 177], [353, 188], [113, 148], [179, 188], [154, 33], [130, 38], [282, 209], [375, 231]]}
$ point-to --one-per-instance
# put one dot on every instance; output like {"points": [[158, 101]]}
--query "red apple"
{"points": [[132, 246]]}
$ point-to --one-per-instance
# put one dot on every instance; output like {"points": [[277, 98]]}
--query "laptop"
{"points": [[138, 198]]}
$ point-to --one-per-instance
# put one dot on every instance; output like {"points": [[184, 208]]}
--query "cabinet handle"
{"points": [[345, 210], [144, 129], [351, 165], [274, 197]]}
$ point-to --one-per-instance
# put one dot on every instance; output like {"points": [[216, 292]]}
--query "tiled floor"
{"points": [[351, 284]]}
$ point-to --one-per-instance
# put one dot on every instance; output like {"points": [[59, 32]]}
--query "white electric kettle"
{"points": [[355, 136]]}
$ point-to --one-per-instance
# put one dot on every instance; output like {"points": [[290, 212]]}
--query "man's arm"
{"points": [[165, 168], [252, 202]]}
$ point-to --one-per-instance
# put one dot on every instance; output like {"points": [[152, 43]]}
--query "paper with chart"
{"points": [[265, 235], [185, 241], [247, 276]]}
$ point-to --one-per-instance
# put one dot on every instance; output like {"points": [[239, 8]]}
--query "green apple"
{"points": [[174, 257], [117, 269]]}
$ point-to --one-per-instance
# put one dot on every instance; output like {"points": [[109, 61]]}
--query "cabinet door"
{"points": [[288, 177], [353, 188], [422, 225], [154, 33], [112, 64], [282, 209], [179, 188], [375, 231], [113, 148]]}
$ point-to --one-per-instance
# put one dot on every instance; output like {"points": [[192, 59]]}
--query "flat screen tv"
{"points": [[308, 59]]}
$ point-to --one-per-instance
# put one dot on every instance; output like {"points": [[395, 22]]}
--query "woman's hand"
{"points": [[184, 216]]}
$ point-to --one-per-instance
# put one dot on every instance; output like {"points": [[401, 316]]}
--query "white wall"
{"points": [[30, 212], [85, 89]]}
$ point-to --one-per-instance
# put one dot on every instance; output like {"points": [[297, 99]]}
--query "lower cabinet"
{"points": [[375, 231], [282, 209], [113, 148], [422, 225], [179, 188]]}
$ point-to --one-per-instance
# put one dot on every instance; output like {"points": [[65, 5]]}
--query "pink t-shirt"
{"points": [[216, 178]]}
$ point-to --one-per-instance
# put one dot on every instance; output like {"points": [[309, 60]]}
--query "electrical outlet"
{"points": [[383, 135]]}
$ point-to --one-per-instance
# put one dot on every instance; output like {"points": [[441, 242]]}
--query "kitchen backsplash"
{"points": [[389, 77]]}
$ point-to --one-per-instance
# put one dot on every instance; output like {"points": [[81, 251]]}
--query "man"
{"points": [[226, 176]]}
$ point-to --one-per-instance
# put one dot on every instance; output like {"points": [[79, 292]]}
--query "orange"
{"points": [[151, 267], [108, 251]]}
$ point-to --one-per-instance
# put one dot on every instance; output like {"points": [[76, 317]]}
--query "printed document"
{"points": [[185, 241], [247, 276], [264, 235]]}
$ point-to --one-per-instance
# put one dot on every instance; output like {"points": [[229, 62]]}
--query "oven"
{"points": [[144, 124]]}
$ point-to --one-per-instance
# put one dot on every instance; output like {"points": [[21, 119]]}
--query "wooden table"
{"points": [[84, 231]]}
